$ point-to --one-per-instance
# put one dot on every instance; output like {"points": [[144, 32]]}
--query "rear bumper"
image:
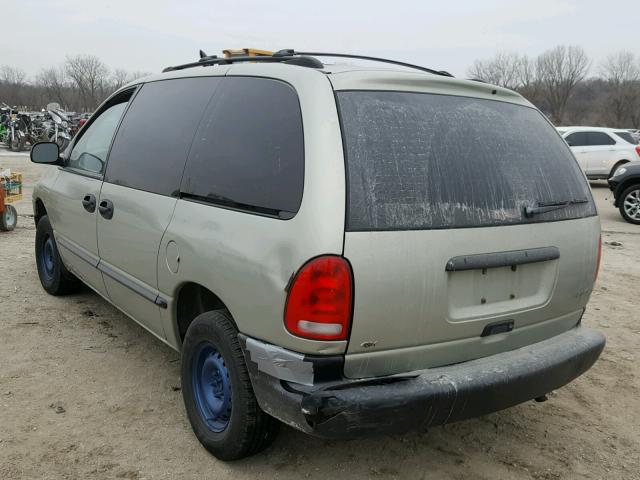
{"points": [[342, 408]]}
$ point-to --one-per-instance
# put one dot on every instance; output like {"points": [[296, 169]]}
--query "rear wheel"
{"points": [[54, 276], [217, 392], [630, 204], [8, 219]]}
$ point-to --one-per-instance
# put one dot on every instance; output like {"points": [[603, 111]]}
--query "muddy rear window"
{"points": [[424, 161]]}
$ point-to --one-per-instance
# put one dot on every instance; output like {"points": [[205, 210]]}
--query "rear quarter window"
{"points": [[248, 152], [600, 139], [627, 137], [424, 161]]}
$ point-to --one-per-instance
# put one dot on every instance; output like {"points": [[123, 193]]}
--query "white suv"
{"points": [[600, 151]]}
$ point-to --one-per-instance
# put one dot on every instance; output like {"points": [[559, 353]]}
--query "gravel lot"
{"points": [[86, 393]]}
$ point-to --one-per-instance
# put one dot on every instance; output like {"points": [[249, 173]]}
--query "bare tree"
{"points": [[119, 78], [509, 70], [528, 82], [90, 76], [622, 73], [13, 81], [55, 85], [79, 84], [12, 75], [559, 71], [502, 70]]}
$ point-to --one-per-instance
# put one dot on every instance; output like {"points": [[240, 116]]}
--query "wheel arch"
{"points": [[635, 180], [191, 300], [617, 165], [39, 210]]}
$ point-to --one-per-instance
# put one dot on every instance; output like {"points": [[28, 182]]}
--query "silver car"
{"points": [[347, 250]]}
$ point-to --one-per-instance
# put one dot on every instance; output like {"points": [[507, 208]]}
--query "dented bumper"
{"points": [[333, 407]]}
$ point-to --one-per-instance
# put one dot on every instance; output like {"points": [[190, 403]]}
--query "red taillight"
{"points": [[319, 301], [598, 258], [638, 150]]}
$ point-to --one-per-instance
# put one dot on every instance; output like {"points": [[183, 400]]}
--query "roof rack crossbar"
{"points": [[212, 60]]}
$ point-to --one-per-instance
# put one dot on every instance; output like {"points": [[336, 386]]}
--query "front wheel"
{"points": [[8, 218], [630, 204], [218, 396], [16, 144], [54, 276]]}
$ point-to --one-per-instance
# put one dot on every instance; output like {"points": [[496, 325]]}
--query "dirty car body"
{"points": [[389, 249]]}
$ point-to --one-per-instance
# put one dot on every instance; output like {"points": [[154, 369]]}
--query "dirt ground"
{"points": [[86, 393]]}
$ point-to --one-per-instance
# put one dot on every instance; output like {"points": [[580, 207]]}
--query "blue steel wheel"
{"points": [[47, 259], [218, 396], [54, 276], [211, 387]]}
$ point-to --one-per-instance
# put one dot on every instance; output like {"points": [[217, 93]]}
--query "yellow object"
{"points": [[12, 187], [242, 52]]}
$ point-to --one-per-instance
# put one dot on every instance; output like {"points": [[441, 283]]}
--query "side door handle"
{"points": [[106, 209], [89, 203]]}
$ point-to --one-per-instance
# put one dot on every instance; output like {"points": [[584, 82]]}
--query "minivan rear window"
{"points": [[427, 161]]}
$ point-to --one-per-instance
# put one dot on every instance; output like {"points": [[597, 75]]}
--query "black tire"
{"points": [[8, 218], [631, 194], [54, 276], [616, 167], [14, 145], [247, 430]]}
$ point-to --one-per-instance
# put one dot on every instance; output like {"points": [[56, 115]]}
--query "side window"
{"points": [[248, 152], [90, 151], [600, 138], [578, 139], [152, 143]]}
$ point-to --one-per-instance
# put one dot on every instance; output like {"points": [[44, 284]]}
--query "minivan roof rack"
{"points": [[374, 59], [290, 56], [208, 60]]}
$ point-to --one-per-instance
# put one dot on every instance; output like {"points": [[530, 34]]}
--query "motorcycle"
{"points": [[60, 133], [7, 118], [22, 125]]}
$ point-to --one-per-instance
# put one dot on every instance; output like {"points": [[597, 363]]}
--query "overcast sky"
{"points": [[147, 35]]}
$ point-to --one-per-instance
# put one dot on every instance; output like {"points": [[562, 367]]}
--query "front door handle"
{"points": [[89, 203], [106, 209]]}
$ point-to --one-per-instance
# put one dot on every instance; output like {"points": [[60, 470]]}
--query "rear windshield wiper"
{"points": [[544, 207]]}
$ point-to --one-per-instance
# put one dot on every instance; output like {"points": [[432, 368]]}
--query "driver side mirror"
{"points": [[46, 153]]}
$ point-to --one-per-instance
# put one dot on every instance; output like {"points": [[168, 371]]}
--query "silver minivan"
{"points": [[349, 250]]}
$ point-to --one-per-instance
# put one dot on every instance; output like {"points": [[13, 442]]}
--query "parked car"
{"points": [[635, 135], [625, 185], [600, 151], [347, 250]]}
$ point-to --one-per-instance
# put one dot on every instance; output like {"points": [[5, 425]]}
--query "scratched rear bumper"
{"points": [[352, 408]]}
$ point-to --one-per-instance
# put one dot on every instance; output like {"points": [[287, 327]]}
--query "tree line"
{"points": [[79, 84], [558, 82]]}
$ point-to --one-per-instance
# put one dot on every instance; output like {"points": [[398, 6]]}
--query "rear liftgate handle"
{"points": [[89, 203], [106, 209]]}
